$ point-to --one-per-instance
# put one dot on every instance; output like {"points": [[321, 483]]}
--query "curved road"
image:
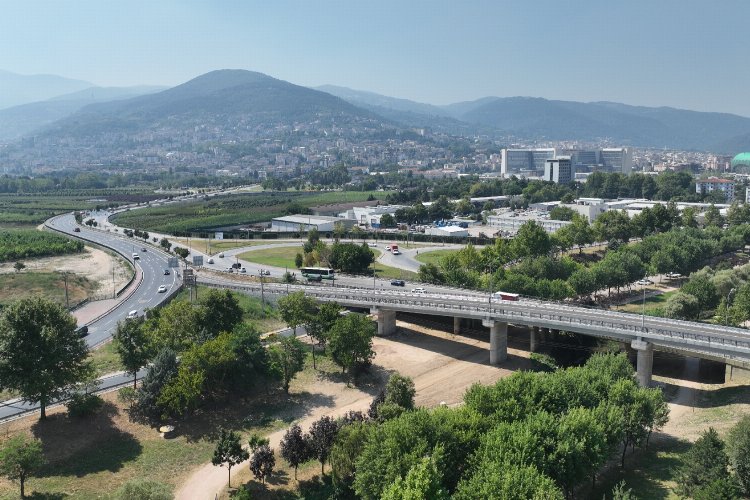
{"points": [[152, 263]]}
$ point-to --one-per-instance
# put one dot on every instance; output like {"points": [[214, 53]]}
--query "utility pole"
{"points": [[262, 296], [65, 278]]}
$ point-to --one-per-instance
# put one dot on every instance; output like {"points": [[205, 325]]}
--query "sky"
{"points": [[684, 53]]}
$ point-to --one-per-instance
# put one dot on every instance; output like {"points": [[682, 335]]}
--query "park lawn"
{"points": [[388, 272], [89, 458], [201, 244], [276, 257], [433, 257], [50, 285], [653, 304], [105, 359]]}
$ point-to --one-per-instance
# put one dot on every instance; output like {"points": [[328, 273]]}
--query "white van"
{"points": [[136, 256], [133, 314]]}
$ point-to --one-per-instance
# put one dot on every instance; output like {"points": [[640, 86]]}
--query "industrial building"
{"points": [[509, 222], [524, 162], [301, 222]]}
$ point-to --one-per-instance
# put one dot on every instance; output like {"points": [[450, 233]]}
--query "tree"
{"points": [[20, 457], [351, 258], [144, 489], [622, 492], [294, 448], [531, 240], [298, 260], [424, 480], [132, 345], [165, 244], [320, 439], [158, 375], [713, 217], [19, 266], [350, 341], [613, 226], [705, 462], [222, 311], [400, 391], [177, 326], [321, 322], [296, 309], [562, 213], [229, 451], [41, 354], [701, 287], [346, 449], [182, 252], [387, 221], [681, 306], [287, 358], [507, 481], [262, 462], [738, 449]]}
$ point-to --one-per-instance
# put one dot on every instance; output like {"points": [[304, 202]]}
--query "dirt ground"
{"points": [[443, 367], [96, 265]]}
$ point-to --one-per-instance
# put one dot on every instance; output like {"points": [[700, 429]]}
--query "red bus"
{"points": [[506, 296]]}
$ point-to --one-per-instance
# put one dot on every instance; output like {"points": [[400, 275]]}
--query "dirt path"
{"points": [[443, 366]]}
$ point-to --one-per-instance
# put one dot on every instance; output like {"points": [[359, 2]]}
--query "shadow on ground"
{"points": [[81, 446]]}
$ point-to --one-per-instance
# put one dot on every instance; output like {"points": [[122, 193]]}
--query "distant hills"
{"points": [[243, 105], [23, 119], [18, 89], [235, 102], [538, 118]]}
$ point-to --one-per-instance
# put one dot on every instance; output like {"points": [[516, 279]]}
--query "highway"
{"points": [[153, 262]]}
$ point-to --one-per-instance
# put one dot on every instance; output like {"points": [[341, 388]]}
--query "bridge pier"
{"points": [[533, 338], [498, 340], [456, 325], [386, 319], [645, 361]]}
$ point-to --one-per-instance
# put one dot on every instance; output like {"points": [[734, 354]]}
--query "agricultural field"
{"points": [[230, 210], [18, 244]]}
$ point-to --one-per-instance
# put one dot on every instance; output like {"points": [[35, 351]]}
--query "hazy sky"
{"points": [[685, 53]]}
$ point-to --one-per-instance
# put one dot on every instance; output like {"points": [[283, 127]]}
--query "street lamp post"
{"points": [[643, 309], [262, 296], [726, 309]]}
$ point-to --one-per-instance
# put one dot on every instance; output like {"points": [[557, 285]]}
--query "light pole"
{"points": [[643, 309], [726, 309], [262, 296]]}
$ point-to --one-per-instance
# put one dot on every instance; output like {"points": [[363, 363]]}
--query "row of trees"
{"points": [[345, 257]]}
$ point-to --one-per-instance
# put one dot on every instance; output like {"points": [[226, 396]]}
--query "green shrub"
{"points": [[83, 405], [144, 489]]}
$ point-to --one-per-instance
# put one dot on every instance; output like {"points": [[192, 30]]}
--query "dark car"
{"points": [[398, 283], [166, 272], [76, 229], [83, 331]]}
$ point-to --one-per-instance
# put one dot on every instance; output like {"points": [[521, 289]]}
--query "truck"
{"points": [[393, 248]]}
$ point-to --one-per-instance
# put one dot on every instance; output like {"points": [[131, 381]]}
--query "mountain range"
{"points": [[243, 103], [18, 89]]}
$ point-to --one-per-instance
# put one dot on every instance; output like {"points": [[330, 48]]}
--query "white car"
{"points": [[645, 281], [162, 289], [373, 245], [418, 290], [221, 255], [133, 314], [211, 260]]}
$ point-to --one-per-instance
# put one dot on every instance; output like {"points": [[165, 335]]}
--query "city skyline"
{"points": [[679, 54]]}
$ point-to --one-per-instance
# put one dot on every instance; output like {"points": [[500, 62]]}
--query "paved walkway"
{"points": [[94, 310]]}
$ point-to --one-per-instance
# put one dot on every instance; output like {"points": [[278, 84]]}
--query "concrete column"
{"points": [[645, 361], [533, 338], [498, 340], [386, 319], [456, 325]]}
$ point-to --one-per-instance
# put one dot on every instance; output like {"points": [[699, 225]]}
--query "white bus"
{"points": [[325, 273]]}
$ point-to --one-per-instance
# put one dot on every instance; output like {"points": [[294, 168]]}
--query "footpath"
{"points": [[92, 311]]}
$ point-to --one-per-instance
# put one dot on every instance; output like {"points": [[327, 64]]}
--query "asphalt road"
{"points": [[152, 262]]}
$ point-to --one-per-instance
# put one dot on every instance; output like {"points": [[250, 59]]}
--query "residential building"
{"points": [[705, 186]]}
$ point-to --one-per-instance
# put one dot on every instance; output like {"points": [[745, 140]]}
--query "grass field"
{"points": [[277, 257], [50, 285], [230, 210], [105, 359], [653, 304], [434, 256], [201, 245]]}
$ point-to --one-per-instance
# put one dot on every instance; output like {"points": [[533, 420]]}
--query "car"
{"points": [[162, 289], [133, 314], [398, 282], [236, 265], [230, 270], [243, 270], [211, 260], [76, 229], [83, 331], [166, 272], [221, 255], [645, 281], [265, 272], [419, 289], [373, 245], [395, 252], [136, 256], [143, 249]]}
